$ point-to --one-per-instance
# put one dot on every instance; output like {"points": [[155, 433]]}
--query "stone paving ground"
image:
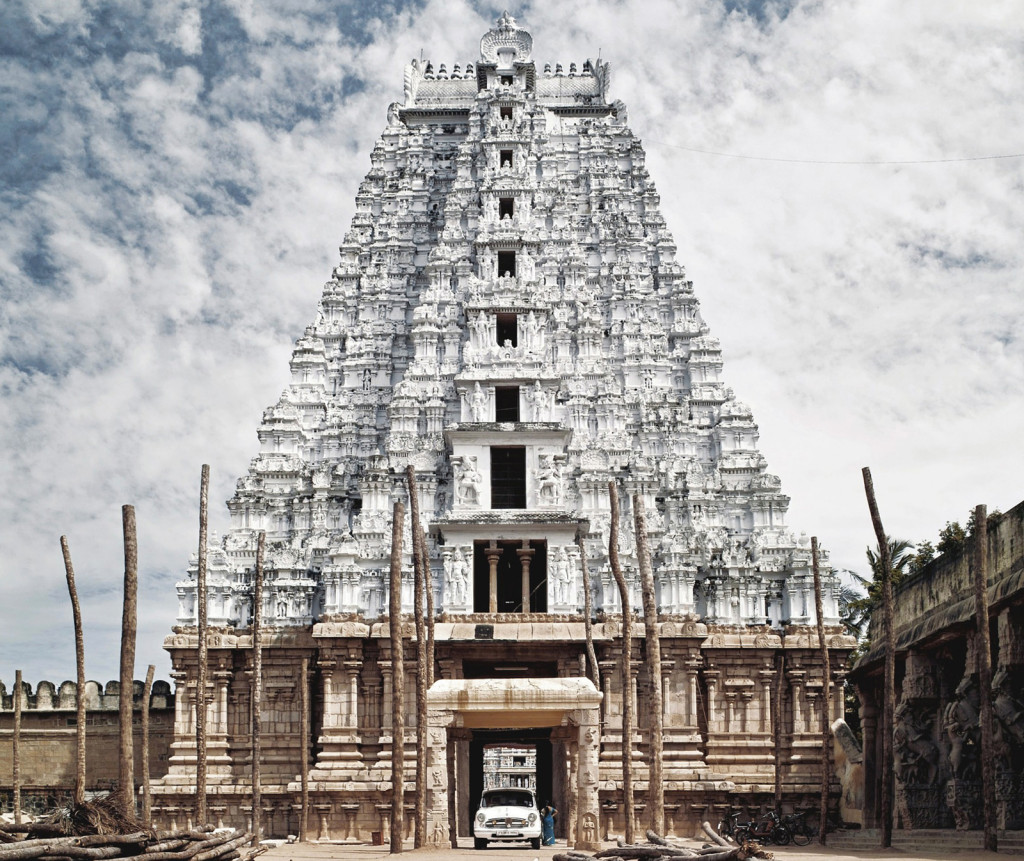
{"points": [[519, 852]]}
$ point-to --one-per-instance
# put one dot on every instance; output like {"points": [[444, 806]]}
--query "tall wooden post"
{"points": [[780, 678], [16, 753], [656, 787], [129, 621], [627, 662], [304, 750], [826, 700], [983, 664], [147, 795], [200, 808], [594, 672], [256, 688], [76, 612], [889, 641], [420, 831], [397, 682]]}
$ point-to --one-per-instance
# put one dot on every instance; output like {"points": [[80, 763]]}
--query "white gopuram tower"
{"points": [[509, 317]]}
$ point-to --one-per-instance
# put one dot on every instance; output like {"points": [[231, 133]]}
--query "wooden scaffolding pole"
{"points": [[200, 704], [76, 612], [129, 623], [983, 664], [147, 795], [826, 699], [16, 752], [629, 807], [419, 610], [593, 672], [889, 644], [256, 689], [304, 750], [656, 787], [397, 682]]}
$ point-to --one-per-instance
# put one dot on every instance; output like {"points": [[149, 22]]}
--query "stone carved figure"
{"points": [[963, 726], [549, 480], [562, 577], [479, 331], [457, 585], [468, 482], [916, 758], [1009, 714], [478, 404], [531, 333]]}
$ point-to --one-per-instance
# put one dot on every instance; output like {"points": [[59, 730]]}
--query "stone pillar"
{"points": [[493, 554], [588, 812], [872, 769], [525, 554], [438, 822], [692, 668], [352, 677], [767, 680]]}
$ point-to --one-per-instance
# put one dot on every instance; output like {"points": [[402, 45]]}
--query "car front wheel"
{"points": [[535, 843], [479, 843]]}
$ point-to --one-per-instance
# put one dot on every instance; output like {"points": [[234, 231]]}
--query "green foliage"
{"points": [[925, 554], [953, 537]]}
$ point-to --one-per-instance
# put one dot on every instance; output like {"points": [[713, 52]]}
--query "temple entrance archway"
{"points": [[559, 715]]}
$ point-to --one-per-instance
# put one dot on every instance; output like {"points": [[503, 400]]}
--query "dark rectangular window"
{"points": [[505, 158], [506, 80], [506, 403], [506, 113], [507, 329], [508, 477], [506, 207], [506, 263]]}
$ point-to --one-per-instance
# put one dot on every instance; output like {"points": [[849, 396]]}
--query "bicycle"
{"points": [[798, 828], [767, 829]]}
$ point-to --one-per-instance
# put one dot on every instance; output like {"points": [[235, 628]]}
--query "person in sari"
{"points": [[547, 823]]}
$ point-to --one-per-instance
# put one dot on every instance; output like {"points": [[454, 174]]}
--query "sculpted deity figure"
{"points": [[562, 578], [540, 402], [916, 756], [531, 333], [468, 482], [963, 726], [478, 404], [458, 579], [549, 480], [1009, 714], [479, 331]]}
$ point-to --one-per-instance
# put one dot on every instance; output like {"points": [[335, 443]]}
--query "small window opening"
{"points": [[506, 403], [507, 329], [508, 477], [506, 158], [506, 113], [506, 263], [506, 80], [506, 207]]}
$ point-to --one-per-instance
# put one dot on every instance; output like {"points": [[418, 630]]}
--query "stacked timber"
{"points": [[657, 848], [142, 845]]}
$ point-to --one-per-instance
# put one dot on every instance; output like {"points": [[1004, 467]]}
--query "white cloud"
{"points": [[182, 180]]}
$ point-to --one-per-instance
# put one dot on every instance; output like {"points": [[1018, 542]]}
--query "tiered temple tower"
{"points": [[509, 317]]}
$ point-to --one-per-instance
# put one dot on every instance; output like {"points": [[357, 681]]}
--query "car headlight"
{"points": [[480, 817], [532, 818]]}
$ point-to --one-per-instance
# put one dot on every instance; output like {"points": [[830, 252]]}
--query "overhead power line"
{"points": [[835, 161]]}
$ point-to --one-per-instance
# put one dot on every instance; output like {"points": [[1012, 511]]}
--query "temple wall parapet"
{"points": [[50, 697]]}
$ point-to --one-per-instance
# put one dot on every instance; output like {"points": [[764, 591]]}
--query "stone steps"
{"points": [[937, 840]]}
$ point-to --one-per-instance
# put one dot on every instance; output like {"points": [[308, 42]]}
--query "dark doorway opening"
{"points": [[508, 476], [507, 329], [510, 578], [506, 263], [505, 158], [540, 738], [506, 403], [506, 207]]}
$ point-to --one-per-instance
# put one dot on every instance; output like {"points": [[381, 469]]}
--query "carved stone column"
{"points": [[588, 812], [493, 554], [438, 824], [525, 554]]}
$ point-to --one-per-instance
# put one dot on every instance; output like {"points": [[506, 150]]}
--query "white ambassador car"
{"points": [[506, 815]]}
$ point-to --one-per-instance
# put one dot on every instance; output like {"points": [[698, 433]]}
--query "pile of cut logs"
{"points": [[199, 845], [657, 848]]}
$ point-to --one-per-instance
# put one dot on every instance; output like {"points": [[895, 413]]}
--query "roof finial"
{"points": [[507, 39]]}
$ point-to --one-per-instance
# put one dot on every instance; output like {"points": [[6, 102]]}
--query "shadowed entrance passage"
{"points": [[475, 712]]}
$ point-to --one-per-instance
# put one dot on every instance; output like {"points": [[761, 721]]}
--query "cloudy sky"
{"points": [[175, 178]]}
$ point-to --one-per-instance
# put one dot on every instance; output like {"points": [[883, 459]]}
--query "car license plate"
{"points": [[506, 832]]}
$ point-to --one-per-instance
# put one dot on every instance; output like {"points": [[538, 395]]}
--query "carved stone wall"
{"points": [[936, 732]]}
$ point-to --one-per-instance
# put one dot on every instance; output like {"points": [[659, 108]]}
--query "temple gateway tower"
{"points": [[509, 317]]}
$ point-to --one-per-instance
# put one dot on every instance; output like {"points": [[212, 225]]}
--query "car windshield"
{"points": [[507, 798]]}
